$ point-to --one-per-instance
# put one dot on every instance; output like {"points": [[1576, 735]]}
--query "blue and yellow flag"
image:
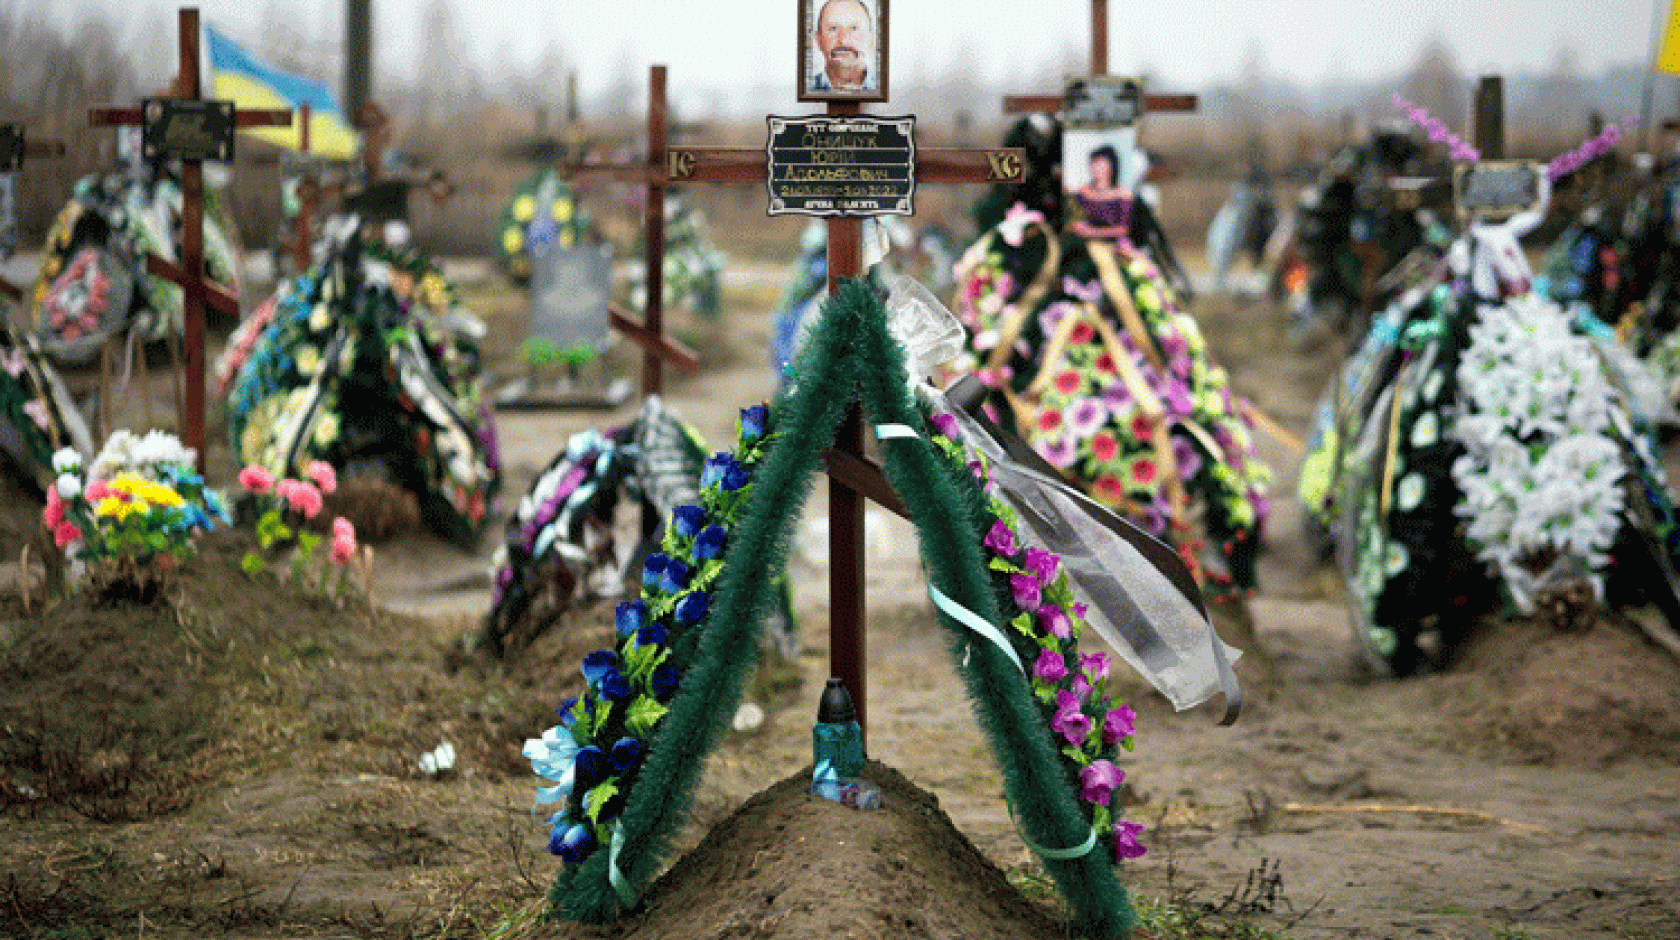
{"points": [[236, 77]]}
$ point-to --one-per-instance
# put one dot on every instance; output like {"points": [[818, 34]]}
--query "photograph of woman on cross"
{"points": [[1105, 206]]}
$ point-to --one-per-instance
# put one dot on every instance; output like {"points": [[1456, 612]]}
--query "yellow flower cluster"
{"points": [[141, 494]]}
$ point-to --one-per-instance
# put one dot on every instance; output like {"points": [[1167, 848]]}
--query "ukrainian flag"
{"points": [[236, 77]]}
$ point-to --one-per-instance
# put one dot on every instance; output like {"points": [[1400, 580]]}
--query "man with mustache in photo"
{"points": [[846, 38]]}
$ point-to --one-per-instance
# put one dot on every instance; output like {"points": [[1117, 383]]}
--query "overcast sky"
{"points": [[728, 45]]}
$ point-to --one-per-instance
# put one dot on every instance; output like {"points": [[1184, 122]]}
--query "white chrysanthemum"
{"points": [[66, 460], [1540, 474]]}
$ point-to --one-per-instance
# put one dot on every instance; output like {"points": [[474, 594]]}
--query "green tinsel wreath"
{"points": [[851, 358]]}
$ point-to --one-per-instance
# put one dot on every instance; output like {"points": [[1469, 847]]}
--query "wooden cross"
{"points": [[1410, 193], [1051, 104], [196, 290], [25, 149], [853, 477]]}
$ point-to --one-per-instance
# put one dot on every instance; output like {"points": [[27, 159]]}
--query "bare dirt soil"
{"points": [[241, 761]]}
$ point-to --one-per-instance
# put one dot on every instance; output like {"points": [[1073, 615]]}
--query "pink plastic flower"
{"points": [[1051, 667], [65, 533], [300, 496], [1117, 726], [1098, 780], [54, 513], [1000, 539], [324, 476], [1070, 722], [256, 480], [1126, 843], [96, 491], [344, 541], [1095, 665]]}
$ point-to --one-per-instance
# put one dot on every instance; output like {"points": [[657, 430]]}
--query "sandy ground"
{"points": [[1347, 807]]}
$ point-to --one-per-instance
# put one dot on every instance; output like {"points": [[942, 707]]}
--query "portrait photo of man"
{"points": [[842, 46]]}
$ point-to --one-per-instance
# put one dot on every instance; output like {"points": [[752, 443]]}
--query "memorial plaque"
{"points": [[11, 148], [1098, 101], [186, 129], [1494, 189], [378, 201], [569, 294], [841, 166]]}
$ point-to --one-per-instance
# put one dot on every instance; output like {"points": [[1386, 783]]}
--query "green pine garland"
{"points": [[851, 358]]}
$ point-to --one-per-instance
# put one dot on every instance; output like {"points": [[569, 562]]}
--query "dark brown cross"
{"points": [[1410, 193], [853, 477], [196, 290], [1050, 104], [31, 148]]}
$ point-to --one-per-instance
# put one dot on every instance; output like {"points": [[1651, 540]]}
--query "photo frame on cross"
{"points": [[1102, 164], [842, 50]]}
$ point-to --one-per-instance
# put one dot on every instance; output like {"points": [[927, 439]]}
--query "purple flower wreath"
{"points": [[1091, 726], [594, 755]]}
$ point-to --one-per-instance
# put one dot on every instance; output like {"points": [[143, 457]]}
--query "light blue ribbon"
{"points": [[620, 884], [973, 621]]}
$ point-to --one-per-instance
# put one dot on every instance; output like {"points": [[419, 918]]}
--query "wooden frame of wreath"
{"points": [[850, 360]]}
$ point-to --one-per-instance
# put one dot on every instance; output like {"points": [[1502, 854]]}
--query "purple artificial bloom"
{"points": [[1098, 780], [1081, 687], [568, 483], [1154, 521], [1187, 456], [1086, 416], [1126, 843], [1055, 621], [1025, 589], [1051, 666], [1072, 724], [1095, 665], [1180, 366], [1176, 396], [504, 576], [1061, 452], [1000, 539], [1117, 396], [945, 425], [1117, 726], [1043, 565]]}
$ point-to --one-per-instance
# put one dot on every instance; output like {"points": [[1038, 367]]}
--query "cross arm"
{"points": [[254, 117], [1049, 104], [933, 165], [862, 475], [214, 294], [658, 344], [10, 290]]}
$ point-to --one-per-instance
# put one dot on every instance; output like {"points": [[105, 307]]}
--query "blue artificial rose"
{"points": [[753, 421], [589, 768], [624, 753], [675, 577], [709, 544], [653, 634], [597, 664], [568, 715], [665, 680], [653, 568], [630, 617], [615, 688], [735, 477], [716, 466], [687, 520], [575, 846], [692, 608]]}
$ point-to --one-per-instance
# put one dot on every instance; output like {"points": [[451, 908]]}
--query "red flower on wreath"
{"points": [[1067, 382], [1104, 446], [1081, 333], [1105, 364], [1049, 419], [1143, 470], [1110, 490], [1140, 426]]}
